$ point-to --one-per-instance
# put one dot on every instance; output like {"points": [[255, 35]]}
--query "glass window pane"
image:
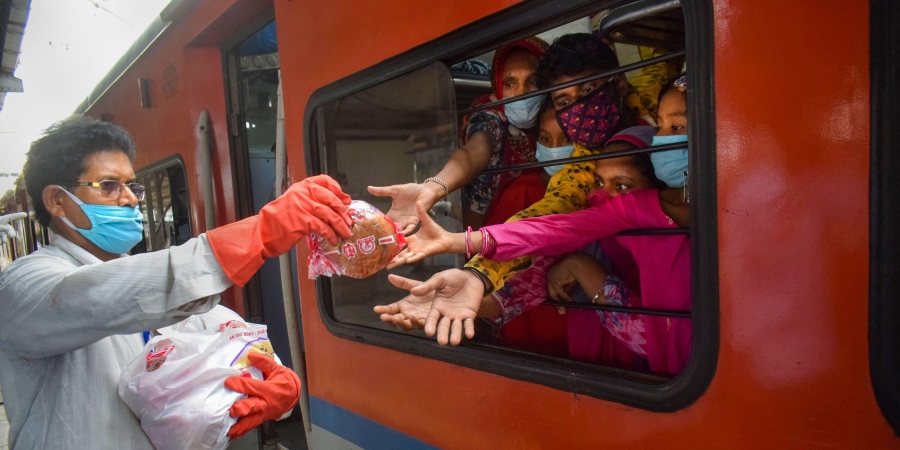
{"points": [[166, 208], [400, 131]]}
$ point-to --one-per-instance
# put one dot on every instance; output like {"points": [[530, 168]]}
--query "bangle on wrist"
{"points": [[441, 182], [599, 294], [485, 283], [488, 244]]}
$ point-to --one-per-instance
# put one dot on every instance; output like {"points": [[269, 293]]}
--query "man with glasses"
{"points": [[72, 313]]}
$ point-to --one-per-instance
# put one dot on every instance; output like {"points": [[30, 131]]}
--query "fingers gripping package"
{"points": [[176, 387], [374, 242]]}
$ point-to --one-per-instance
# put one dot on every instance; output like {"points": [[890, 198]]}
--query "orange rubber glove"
{"points": [[268, 399], [314, 205]]}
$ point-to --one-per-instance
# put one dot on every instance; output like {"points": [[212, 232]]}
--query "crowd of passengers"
{"points": [[551, 232]]}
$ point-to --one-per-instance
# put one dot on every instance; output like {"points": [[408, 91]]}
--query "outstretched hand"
{"points": [[403, 203], [408, 313], [455, 301], [429, 241]]}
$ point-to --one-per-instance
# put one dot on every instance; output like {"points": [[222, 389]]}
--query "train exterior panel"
{"points": [[790, 85], [184, 69]]}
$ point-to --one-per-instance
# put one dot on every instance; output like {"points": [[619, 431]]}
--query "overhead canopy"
{"points": [[13, 15]]}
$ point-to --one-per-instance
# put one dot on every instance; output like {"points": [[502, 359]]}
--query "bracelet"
{"points": [[598, 294], [469, 249], [487, 284], [488, 244], [441, 182]]}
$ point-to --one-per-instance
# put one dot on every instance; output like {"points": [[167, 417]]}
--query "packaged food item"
{"points": [[375, 241], [176, 387]]}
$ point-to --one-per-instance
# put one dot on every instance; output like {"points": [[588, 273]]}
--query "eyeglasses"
{"points": [[112, 188]]}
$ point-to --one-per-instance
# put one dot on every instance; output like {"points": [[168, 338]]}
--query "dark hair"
{"points": [[546, 105], [58, 156], [573, 54], [642, 162]]}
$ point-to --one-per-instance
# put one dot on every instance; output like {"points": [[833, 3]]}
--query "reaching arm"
{"points": [[467, 161], [445, 305], [464, 165], [568, 232], [567, 192], [547, 235], [50, 305], [50, 308]]}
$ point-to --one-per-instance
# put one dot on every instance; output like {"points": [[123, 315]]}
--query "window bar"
{"points": [[654, 231], [577, 159], [609, 73], [622, 309]]}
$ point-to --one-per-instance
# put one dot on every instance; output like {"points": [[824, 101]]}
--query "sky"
{"points": [[69, 45]]}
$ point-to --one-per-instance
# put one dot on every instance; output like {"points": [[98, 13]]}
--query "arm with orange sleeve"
{"points": [[314, 205]]}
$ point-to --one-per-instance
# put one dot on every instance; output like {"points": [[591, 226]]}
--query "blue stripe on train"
{"points": [[359, 430]]}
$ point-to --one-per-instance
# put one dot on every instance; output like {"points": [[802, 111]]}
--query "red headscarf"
{"points": [[534, 45], [518, 149]]}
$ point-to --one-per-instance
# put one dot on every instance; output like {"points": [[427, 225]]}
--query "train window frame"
{"points": [[519, 21], [884, 209], [166, 164]]}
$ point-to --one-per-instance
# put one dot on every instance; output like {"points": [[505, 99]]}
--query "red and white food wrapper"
{"points": [[374, 242]]}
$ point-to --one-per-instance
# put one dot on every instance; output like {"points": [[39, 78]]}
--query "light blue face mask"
{"points": [[524, 113], [115, 229], [550, 153], [670, 166]]}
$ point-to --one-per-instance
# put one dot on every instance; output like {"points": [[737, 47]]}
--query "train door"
{"points": [[253, 75]]}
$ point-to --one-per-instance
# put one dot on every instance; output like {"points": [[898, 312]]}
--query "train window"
{"points": [[166, 206], [399, 122], [884, 272], [402, 129], [30, 235]]}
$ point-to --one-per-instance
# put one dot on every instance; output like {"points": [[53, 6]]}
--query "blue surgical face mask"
{"points": [[550, 153], [524, 113], [670, 166], [115, 229]]}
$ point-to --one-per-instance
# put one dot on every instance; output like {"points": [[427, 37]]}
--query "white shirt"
{"points": [[69, 324]]}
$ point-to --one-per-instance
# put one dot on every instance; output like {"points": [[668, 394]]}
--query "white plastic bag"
{"points": [[176, 387]]}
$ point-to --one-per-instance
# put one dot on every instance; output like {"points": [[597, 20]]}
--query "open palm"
{"points": [[457, 299], [408, 313], [447, 305], [403, 203], [429, 241]]}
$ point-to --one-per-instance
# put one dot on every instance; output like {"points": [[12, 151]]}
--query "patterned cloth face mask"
{"points": [[592, 119]]}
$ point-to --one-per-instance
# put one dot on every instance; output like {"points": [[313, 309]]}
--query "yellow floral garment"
{"points": [[644, 96], [566, 192]]}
